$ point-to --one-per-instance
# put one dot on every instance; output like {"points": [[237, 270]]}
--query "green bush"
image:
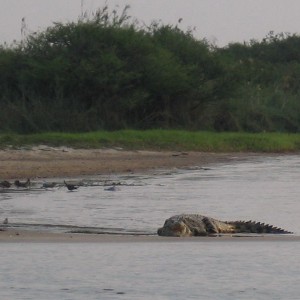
{"points": [[106, 72]]}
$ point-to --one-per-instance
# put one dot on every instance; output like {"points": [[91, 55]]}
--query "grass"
{"points": [[175, 140]]}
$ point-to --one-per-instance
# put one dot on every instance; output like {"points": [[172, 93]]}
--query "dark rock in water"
{"points": [[47, 185], [112, 189]]}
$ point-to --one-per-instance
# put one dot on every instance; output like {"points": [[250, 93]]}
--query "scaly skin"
{"points": [[197, 225]]}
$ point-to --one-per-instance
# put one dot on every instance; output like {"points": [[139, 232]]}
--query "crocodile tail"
{"points": [[256, 227]]}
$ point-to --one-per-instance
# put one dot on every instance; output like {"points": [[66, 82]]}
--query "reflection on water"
{"points": [[217, 270], [264, 189]]}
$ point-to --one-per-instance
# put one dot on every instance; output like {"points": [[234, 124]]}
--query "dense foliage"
{"points": [[105, 72]]}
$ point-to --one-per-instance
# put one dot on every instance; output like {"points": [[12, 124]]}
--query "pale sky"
{"points": [[220, 21]]}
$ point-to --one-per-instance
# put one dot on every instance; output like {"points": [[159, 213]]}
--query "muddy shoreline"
{"points": [[50, 162]]}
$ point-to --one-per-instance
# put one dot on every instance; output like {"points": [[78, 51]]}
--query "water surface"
{"points": [[263, 189], [218, 270]]}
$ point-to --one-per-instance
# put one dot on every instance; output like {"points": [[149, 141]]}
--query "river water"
{"points": [[262, 188]]}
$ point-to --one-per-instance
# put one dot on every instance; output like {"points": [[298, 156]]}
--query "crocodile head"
{"points": [[174, 228]]}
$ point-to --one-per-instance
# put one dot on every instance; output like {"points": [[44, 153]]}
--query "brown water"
{"points": [[262, 189]]}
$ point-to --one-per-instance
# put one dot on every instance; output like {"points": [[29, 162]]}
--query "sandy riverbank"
{"points": [[48, 162]]}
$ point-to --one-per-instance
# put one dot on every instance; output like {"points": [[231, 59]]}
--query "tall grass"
{"points": [[174, 140]]}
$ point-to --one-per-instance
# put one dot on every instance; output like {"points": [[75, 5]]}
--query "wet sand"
{"points": [[49, 162], [19, 236]]}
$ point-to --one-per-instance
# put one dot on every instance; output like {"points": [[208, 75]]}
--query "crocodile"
{"points": [[198, 225]]}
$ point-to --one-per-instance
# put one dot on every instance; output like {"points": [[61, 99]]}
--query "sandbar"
{"points": [[28, 236], [50, 162]]}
